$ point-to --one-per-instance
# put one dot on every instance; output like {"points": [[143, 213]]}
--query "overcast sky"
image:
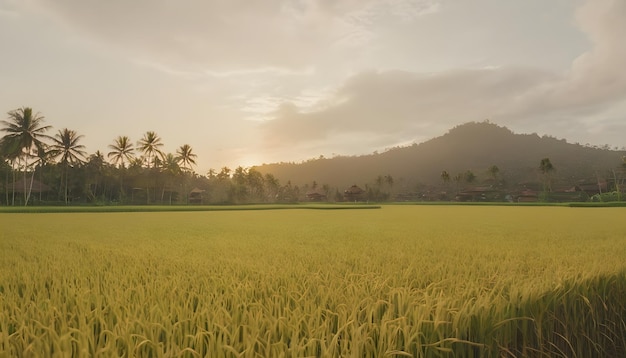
{"points": [[251, 82]]}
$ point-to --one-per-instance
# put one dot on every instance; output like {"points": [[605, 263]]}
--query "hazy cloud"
{"points": [[401, 104], [230, 36], [291, 79], [397, 103]]}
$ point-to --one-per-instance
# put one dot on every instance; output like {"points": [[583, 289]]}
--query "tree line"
{"points": [[43, 169], [39, 168]]}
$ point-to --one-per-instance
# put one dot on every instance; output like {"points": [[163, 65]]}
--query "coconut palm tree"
{"points": [[122, 151], [150, 145], [494, 171], [445, 176], [170, 164], [457, 179], [170, 169], [96, 176], [25, 134], [44, 158], [469, 176], [6, 170], [9, 159], [546, 168], [185, 156], [65, 145], [224, 173]]}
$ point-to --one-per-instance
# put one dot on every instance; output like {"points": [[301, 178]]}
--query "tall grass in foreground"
{"points": [[402, 281]]}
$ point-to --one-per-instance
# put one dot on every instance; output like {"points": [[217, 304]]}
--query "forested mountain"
{"points": [[473, 147]]}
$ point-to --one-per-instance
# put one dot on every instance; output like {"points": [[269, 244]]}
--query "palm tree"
{"points": [[25, 134], [149, 145], [95, 175], [170, 164], [171, 169], [457, 179], [494, 171], [44, 157], [379, 181], [469, 176], [122, 151], [445, 176], [6, 169], [9, 158], [546, 168], [224, 173], [185, 156], [65, 145], [389, 181]]}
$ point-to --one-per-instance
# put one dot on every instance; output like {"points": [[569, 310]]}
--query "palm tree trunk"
{"points": [[30, 188], [6, 187], [617, 186], [41, 181], [121, 187], [24, 192], [13, 185], [25, 185], [60, 186], [66, 174]]}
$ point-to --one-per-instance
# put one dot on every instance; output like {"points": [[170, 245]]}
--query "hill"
{"points": [[472, 146]]}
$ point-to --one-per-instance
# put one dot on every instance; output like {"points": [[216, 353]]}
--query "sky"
{"points": [[252, 82]]}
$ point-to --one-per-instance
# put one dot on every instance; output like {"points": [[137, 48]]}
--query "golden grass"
{"points": [[434, 281]]}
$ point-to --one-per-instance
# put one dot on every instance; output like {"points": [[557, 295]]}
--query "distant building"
{"points": [[19, 185], [592, 188], [353, 193], [527, 196], [315, 195], [195, 196], [481, 194]]}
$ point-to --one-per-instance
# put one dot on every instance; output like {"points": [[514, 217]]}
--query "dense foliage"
{"points": [[40, 169], [473, 155]]}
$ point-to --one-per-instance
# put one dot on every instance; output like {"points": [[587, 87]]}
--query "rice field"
{"points": [[399, 281]]}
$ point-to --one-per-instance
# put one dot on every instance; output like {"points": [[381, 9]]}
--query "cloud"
{"points": [[348, 76], [8, 8], [225, 37], [403, 104], [595, 78], [395, 103]]}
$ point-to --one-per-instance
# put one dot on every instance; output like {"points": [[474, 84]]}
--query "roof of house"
{"points": [[354, 190], [37, 186], [315, 193]]}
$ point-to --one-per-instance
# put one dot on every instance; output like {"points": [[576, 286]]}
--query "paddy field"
{"points": [[393, 281]]}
